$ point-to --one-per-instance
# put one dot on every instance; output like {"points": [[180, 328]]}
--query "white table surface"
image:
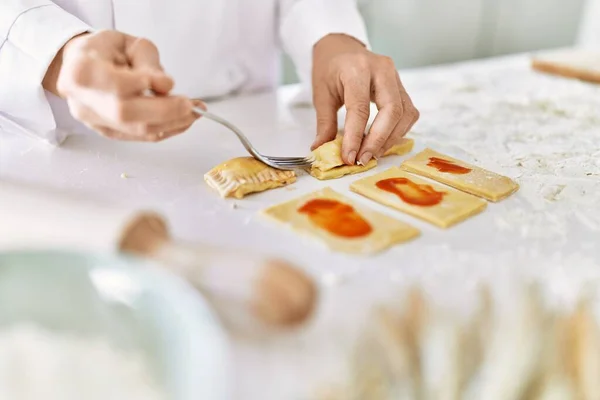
{"points": [[542, 131]]}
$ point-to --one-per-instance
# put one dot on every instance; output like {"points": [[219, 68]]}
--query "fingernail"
{"points": [[352, 157], [366, 157]]}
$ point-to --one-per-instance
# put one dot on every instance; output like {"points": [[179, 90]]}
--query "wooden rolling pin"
{"points": [[248, 290]]}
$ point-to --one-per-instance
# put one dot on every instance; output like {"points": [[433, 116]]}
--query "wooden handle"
{"points": [[144, 235], [249, 290], [245, 288], [245, 285]]}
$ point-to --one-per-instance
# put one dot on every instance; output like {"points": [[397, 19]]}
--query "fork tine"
{"points": [[286, 163], [299, 159], [293, 165], [287, 167], [292, 161]]}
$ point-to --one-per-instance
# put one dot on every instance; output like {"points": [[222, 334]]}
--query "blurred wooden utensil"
{"points": [[248, 290]]}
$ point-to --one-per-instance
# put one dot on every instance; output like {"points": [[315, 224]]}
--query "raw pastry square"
{"points": [[383, 231], [570, 63], [328, 162], [461, 175], [241, 176], [437, 204]]}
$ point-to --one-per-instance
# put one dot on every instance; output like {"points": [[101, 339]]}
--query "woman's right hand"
{"points": [[106, 79]]}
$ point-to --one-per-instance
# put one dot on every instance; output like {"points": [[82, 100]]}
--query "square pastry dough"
{"points": [[241, 176], [341, 224], [328, 163], [461, 175], [438, 204]]}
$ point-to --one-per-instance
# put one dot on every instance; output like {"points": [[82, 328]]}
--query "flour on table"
{"points": [[38, 364], [540, 130]]}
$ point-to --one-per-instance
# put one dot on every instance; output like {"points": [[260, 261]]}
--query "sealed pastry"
{"points": [[328, 163], [243, 175]]}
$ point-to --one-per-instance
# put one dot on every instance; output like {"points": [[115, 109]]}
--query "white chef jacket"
{"points": [[210, 47]]}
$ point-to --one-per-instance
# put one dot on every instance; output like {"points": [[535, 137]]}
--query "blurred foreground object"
{"points": [[36, 363], [249, 290], [525, 352], [570, 63], [82, 326]]}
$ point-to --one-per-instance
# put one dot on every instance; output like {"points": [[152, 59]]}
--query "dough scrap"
{"points": [[243, 175], [328, 163], [479, 182], [455, 206], [386, 231]]}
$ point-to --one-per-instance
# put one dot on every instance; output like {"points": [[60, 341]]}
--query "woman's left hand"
{"points": [[346, 73]]}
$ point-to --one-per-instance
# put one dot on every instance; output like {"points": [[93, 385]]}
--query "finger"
{"points": [[82, 113], [95, 122], [161, 83], [179, 125], [200, 104], [389, 102], [175, 132], [110, 133], [143, 56], [357, 98], [407, 103], [92, 119], [147, 110], [159, 137], [409, 108], [397, 135], [99, 75], [327, 107], [410, 117], [116, 134]]}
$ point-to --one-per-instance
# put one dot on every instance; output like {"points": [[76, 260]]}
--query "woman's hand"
{"points": [[346, 73], [106, 78]]}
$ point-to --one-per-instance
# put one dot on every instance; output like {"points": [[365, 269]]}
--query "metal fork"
{"points": [[284, 163]]}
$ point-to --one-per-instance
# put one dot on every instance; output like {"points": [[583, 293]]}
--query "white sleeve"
{"points": [[304, 22], [31, 33]]}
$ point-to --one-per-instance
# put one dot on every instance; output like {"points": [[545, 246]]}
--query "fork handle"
{"points": [[210, 116], [227, 124]]}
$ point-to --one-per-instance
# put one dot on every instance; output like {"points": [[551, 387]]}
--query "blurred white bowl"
{"points": [[133, 304]]}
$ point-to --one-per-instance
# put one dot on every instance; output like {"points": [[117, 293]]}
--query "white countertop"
{"points": [[542, 131]]}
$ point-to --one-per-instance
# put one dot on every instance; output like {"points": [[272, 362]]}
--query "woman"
{"points": [[208, 48]]}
